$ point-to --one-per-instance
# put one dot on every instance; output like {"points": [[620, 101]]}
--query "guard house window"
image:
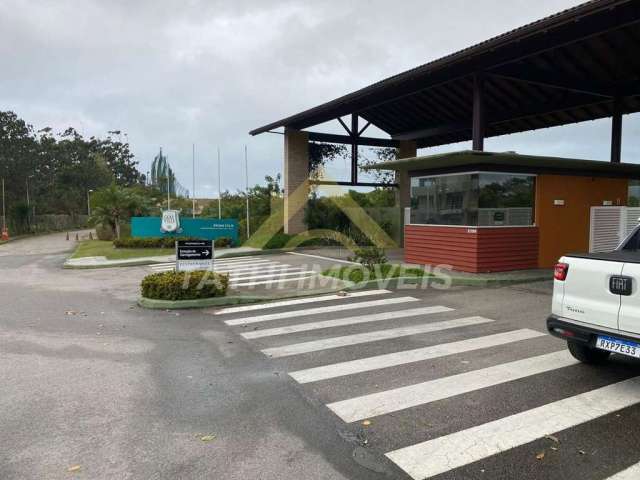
{"points": [[633, 199], [473, 199]]}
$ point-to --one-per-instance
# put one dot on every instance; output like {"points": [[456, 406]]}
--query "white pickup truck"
{"points": [[596, 302]]}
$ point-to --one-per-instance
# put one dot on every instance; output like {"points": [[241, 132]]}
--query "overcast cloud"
{"points": [[173, 73]]}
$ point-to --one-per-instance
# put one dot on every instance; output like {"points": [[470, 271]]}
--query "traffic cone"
{"points": [[5, 234]]}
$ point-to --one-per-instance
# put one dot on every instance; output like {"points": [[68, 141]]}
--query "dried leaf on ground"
{"points": [[74, 468], [207, 438]]}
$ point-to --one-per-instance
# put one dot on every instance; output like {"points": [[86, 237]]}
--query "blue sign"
{"points": [[203, 228]]}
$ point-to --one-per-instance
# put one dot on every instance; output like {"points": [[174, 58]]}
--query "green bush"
{"points": [[370, 256], [184, 285], [104, 232], [151, 242], [222, 242]]}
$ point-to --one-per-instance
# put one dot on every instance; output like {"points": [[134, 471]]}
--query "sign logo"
{"points": [[170, 221]]}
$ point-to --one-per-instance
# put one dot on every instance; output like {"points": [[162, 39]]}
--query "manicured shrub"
{"points": [[368, 257], [184, 285], [104, 232], [222, 242], [151, 242]]}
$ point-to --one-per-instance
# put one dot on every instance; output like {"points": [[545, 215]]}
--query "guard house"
{"points": [[484, 212], [577, 65]]}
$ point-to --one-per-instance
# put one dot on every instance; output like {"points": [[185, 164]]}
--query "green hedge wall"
{"points": [[184, 285]]}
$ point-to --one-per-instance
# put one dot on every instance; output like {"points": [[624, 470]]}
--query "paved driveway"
{"points": [[450, 384]]}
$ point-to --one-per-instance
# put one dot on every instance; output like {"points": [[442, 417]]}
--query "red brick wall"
{"points": [[472, 249]]}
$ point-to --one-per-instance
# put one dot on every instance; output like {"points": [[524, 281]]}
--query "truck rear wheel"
{"points": [[587, 354]]}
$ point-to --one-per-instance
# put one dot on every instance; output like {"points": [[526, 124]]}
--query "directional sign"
{"points": [[194, 255]]}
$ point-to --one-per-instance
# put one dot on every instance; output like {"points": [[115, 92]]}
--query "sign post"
{"points": [[194, 255]]}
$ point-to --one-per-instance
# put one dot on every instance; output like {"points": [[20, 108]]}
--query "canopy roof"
{"points": [[565, 68], [470, 160]]}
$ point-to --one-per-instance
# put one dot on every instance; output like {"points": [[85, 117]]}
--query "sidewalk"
{"points": [[103, 262]]}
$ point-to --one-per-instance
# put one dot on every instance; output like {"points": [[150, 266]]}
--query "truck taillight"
{"points": [[560, 271]]}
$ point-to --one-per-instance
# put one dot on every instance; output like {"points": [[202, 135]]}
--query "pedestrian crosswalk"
{"points": [[350, 350], [250, 271]]}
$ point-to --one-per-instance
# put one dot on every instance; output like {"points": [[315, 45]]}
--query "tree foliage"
{"points": [[114, 205], [58, 169]]}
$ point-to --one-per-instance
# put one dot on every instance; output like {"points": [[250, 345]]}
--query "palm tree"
{"points": [[113, 205]]}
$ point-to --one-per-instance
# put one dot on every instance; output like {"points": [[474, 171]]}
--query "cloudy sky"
{"points": [[174, 73]]}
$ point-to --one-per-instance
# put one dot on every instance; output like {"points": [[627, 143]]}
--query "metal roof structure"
{"points": [[579, 64], [470, 160]]}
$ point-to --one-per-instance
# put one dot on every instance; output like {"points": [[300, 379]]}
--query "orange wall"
{"points": [[565, 229]]}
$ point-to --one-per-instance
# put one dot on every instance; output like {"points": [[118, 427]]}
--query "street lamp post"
{"points": [[89, 202]]}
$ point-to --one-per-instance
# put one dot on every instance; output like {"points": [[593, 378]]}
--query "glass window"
{"points": [[474, 199], [633, 199]]}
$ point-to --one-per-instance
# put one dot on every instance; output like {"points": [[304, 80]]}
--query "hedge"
{"points": [[163, 242], [184, 285]]}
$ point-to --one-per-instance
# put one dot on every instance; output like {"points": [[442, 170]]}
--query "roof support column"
{"points": [[616, 131], [407, 149], [296, 179], [354, 148], [478, 128]]}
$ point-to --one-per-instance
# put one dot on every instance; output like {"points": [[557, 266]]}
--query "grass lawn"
{"points": [[384, 271], [100, 248]]}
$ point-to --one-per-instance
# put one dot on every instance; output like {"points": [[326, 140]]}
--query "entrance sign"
{"points": [[170, 221], [200, 228], [194, 255]]}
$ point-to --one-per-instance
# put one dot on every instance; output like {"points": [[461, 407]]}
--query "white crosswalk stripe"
{"points": [[631, 473], [299, 301], [388, 401], [256, 270], [374, 336], [443, 454], [410, 356], [319, 310], [303, 276], [248, 276], [341, 322]]}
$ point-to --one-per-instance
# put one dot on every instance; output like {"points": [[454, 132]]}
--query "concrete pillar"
{"points": [[407, 149], [296, 179]]}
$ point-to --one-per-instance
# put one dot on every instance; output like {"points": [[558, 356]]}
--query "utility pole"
{"points": [[4, 213], [28, 204], [246, 168], [193, 192], [219, 188], [168, 189]]}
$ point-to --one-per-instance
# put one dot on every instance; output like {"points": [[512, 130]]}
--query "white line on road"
{"points": [[300, 301], [323, 258], [410, 356], [279, 280], [257, 268], [375, 336], [320, 310], [381, 403], [631, 473], [442, 454], [242, 277], [341, 322]]}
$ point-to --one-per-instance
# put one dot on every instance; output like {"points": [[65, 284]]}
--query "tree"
{"points": [[114, 204]]}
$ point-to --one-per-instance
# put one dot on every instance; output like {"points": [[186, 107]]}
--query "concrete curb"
{"points": [[237, 299], [455, 281], [136, 263]]}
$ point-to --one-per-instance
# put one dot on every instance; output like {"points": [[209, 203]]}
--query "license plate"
{"points": [[625, 347]]}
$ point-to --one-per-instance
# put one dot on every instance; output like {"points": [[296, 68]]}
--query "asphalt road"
{"points": [[92, 381]]}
